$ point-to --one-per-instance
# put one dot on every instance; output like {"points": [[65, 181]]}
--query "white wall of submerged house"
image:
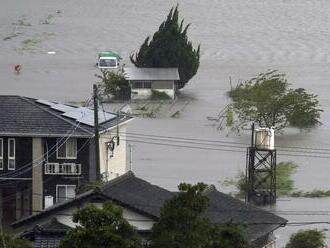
{"points": [[113, 163], [167, 87]]}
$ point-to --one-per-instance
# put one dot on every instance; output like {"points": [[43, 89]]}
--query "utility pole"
{"points": [[96, 133], [130, 156]]}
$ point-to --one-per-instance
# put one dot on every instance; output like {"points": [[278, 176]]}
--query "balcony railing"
{"points": [[62, 169]]}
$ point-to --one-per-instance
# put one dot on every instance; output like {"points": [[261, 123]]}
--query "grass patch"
{"points": [[22, 23], [158, 95], [48, 20]]}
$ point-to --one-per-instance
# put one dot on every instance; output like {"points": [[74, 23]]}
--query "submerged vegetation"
{"points": [[285, 184]]}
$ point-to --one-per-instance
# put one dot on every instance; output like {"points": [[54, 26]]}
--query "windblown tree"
{"points": [[182, 223], [114, 84], [267, 100], [101, 228], [170, 47]]}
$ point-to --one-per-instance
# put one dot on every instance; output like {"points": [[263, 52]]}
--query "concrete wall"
{"points": [[37, 174], [116, 164]]}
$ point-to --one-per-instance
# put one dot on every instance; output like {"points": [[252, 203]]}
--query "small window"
{"points": [[141, 85], [11, 154], [68, 150], [1, 154], [65, 192]]}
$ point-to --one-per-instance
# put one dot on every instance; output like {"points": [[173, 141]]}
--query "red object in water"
{"points": [[17, 68]]}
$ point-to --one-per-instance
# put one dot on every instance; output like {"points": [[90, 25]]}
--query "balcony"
{"points": [[62, 169]]}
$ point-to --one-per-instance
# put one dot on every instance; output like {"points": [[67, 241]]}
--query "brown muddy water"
{"points": [[238, 39]]}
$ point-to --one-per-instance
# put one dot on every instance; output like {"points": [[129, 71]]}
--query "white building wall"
{"points": [[113, 164]]}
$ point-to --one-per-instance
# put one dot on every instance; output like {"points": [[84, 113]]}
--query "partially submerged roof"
{"points": [[137, 194], [136, 73], [23, 116]]}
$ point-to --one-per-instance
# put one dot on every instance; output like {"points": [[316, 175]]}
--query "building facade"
{"points": [[47, 151]]}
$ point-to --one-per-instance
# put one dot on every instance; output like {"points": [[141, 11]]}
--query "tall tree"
{"points": [[101, 228], [182, 223], [312, 238], [267, 100], [170, 47]]}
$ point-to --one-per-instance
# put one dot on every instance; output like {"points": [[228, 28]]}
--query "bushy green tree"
{"points": [[267, 100], [182, 223], [113, 83], [9, 241], [170, 47], [312, 238], [101, 228]]}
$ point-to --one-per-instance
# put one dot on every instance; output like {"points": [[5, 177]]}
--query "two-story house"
{"points": [[47, 150]]}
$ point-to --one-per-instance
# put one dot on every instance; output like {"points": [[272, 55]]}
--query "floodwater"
{"points": [[238, 39]]}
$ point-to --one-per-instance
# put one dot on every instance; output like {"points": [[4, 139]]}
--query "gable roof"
{"points": [[23, 116], [136, 73], [139, 195]]}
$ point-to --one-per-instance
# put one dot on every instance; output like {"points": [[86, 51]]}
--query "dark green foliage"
{"points": [[11, 242], [311, 194], [114, 84], [312, 238], [170, 47], [268, 101], [89, 185], [158, 95], [101, 228], [182, 223]]}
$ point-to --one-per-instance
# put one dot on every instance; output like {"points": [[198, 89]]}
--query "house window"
{"points": [[65, 192], [141, 85], [11, 154], [68, 150], [1, 154]]}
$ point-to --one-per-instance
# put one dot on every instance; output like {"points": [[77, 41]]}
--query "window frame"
{"points": [[11, 157], [66, 149], [66, 191], [1, 154]]}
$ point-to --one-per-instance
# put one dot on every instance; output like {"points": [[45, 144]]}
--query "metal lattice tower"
{"points": [[260, 174]]}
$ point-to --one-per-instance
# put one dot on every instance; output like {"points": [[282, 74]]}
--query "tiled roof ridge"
{"points": [[127, 175], [30, 101]]}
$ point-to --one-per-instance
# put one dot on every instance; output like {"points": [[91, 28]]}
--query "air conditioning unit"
{"points": [[49, 201]]}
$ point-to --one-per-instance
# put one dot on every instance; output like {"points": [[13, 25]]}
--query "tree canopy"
{"points": [[311, 238], [114, 84], [182, 223], [170, 47], [101, 228], [267, 100]]}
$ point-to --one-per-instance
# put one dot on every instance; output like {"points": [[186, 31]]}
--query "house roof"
{"points": [[24, 116], [139, 195], [136, 73]]}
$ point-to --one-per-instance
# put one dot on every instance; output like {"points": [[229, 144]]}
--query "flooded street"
{"points": [[238, 39]]}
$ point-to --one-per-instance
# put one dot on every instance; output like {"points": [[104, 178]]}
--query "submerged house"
{"points": [[141, 203], [47, 150], [144, 81]]}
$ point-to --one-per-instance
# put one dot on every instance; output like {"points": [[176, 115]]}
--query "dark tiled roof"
{"points": [[52, 226], [23, 116], [139, 195], [226, 209]]}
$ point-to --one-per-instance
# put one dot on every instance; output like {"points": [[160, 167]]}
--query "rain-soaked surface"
{"points": [[238, 39]]}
